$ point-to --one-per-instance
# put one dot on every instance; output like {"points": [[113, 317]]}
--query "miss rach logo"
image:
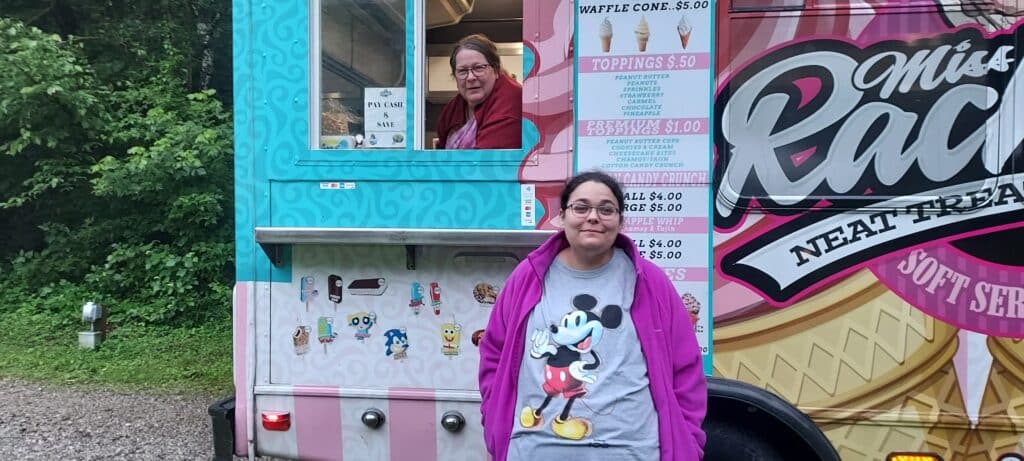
{"points": [[891, 146]]}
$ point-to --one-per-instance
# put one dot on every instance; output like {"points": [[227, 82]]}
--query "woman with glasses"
{"points": [[488, 111], [589, 352]]}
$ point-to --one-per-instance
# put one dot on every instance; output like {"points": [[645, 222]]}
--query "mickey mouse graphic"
{"points": [[565, 371]]}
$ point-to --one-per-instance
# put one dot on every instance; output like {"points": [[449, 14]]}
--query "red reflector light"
{"points": [[913, 457], [277, 420]]}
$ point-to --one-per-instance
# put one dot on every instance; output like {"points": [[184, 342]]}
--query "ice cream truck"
{"points": [[834, 187]]}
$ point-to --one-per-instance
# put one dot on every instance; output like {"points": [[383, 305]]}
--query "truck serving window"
{"points": [[446, 23], [361, 83]]}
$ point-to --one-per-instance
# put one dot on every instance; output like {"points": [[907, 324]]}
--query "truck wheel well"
{"points": [[735, 406]]}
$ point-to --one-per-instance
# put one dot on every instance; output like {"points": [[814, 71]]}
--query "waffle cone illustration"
{"points": [[606, 44], [853, 353], [643, 34], [1000, 429], [684, 39]]}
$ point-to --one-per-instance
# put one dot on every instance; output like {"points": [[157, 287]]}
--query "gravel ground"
{"points": [[45, 422]]}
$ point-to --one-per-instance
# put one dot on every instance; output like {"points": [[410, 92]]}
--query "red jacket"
{"points": [[499, 118]]}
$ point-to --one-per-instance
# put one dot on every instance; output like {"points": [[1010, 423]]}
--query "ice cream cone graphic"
{"points": [[605, 34], [848, 355], [685, 29], [643, 33]]}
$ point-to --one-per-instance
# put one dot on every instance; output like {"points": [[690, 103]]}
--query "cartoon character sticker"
{"points": [[485, 293], [566, 373], [300, 339], [325, 331], [451, 337], [362, 322], [396, 343], [416, 297], [307, 290], [435, 297], [335, 289]]}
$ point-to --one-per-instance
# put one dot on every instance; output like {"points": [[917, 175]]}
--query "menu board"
{"points": [[643, 115]]}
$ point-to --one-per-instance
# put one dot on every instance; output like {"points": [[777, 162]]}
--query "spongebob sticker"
{"points": [[362, 322], [451, 336], [396, 343]]}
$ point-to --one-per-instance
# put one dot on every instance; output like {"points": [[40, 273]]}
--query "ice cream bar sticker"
{"points": [[300, 339], [335, 289], [368, 287], [307, 290], [478, 335], [435, 297], [485, 293], [416, 297], [325, 331]]}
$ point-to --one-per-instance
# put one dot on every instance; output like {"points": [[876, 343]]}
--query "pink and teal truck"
{"points": [[835, 187]]}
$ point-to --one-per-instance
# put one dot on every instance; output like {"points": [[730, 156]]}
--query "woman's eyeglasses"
{"points": [[582, 210], [477, 70]]}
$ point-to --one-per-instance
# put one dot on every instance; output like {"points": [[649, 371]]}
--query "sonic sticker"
{"points": [[451, 336], [362, 322], [396, 342], [435, 297], [325, 331], [416, 297], [307, 290], [300, 339]]}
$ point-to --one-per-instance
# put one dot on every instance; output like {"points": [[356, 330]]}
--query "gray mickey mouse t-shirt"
{"points": [[583, 387]]}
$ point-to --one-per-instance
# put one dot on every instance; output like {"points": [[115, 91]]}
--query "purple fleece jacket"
{"points": [[669, 345]]}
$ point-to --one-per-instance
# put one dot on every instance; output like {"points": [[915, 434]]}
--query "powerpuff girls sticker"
{"points": [[396, 343], [362, 322], [451, 337]]}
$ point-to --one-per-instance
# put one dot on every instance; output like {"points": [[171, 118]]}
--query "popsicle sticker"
{"points": [[325, 331], [416, 297], [396, 343], [451, 337], [693, 306], [605, 34], [368, 287], [335, 289], [307, 291], [362, 322], [300, 339], [435, 297], [477, 336]]}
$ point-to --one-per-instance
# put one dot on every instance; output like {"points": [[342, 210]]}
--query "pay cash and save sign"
{"points": [[644, 86]]}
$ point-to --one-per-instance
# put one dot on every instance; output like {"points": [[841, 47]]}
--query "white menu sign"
{"points": [[644, 106], [384, 111]]}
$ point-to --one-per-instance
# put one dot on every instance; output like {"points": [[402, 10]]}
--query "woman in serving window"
{"points": [[488, 111]]}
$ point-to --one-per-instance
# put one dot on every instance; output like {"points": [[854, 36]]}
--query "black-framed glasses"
{"points": [[582, 210], [477, 70]]}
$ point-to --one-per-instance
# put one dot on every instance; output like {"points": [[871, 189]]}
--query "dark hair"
{"points": [[596, 176], [481, 44]]}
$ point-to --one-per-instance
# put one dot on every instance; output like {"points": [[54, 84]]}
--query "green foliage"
{"points": [[124, 177]]}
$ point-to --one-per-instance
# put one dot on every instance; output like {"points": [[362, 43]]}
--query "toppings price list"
{"points": [[643, 115]]}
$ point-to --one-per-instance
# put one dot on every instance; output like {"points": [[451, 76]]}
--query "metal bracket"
{"points": [[410, 257], [274, 251]]}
